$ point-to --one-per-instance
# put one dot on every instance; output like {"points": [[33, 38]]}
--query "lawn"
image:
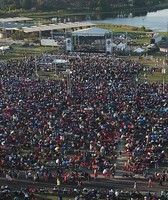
{"points": [[157, 76], [18, 51]]}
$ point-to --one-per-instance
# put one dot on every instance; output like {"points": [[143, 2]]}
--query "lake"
{"points": [[156, 21]]}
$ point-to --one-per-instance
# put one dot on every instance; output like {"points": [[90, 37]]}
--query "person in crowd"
{"points": [[48, 131]]}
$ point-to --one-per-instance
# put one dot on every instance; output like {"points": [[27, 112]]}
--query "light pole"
{"points": [[69, 86], [145, 75], [163, 78], [36, 67], [52, 37], [4, 32], [56, 70], [126, 38], [167, 30], [143, 22], [40, 35]]}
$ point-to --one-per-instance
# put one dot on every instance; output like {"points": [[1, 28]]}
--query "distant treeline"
{"points": [[90, 5]]}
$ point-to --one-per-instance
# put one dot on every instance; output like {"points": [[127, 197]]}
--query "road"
{"points": [[120, 183]]}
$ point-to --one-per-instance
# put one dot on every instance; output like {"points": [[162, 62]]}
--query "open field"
{"points": [[18, 51]]}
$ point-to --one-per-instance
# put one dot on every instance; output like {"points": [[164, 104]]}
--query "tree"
{"points": [[27, 4], [102, 5], [141, 3]]}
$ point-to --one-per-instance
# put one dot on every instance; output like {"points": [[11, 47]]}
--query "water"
{"points": [[156, 21]]}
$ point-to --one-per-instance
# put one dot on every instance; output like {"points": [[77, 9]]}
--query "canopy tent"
{"points": [[60, 65], [59, 61], [139, 50], [113, 44], [94, 31], [121, 46], [4, 48]]}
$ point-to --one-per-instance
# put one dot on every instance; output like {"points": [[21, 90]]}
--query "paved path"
{"points": [[120, 183], [121, 159]]}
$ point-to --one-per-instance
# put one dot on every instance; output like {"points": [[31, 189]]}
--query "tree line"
{"points": [[50, 5]]}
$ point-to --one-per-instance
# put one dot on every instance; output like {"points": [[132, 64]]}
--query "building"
{"points": [[163, 47]]}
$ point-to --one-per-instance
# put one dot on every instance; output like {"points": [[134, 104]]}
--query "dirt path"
{"points": [[121, 158]]}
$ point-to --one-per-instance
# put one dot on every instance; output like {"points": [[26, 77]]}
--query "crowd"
{"points": [[48, 134], [78, 194]]}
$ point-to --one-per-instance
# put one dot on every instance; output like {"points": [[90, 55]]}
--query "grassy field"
{"points": [[150, 62], [18, 51]]}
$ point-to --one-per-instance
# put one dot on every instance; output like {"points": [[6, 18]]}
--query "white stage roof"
{"points": [[94, 31]]}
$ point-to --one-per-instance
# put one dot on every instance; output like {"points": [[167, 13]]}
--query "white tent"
{"points": [[4, 48], [121, 46], [113, 44], [91, 32], [60, 61], [139, 50]]}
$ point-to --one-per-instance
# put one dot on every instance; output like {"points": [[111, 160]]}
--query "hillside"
{"points": [[91, 5]]}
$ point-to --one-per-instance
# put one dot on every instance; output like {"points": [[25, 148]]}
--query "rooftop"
{"points": [[59, 26], [15, 19]]}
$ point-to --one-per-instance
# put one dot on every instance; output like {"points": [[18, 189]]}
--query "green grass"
{"points": [[156, 77], [148, 62], [123, 28], [19, 52], [131, 30], [141, 41]]}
